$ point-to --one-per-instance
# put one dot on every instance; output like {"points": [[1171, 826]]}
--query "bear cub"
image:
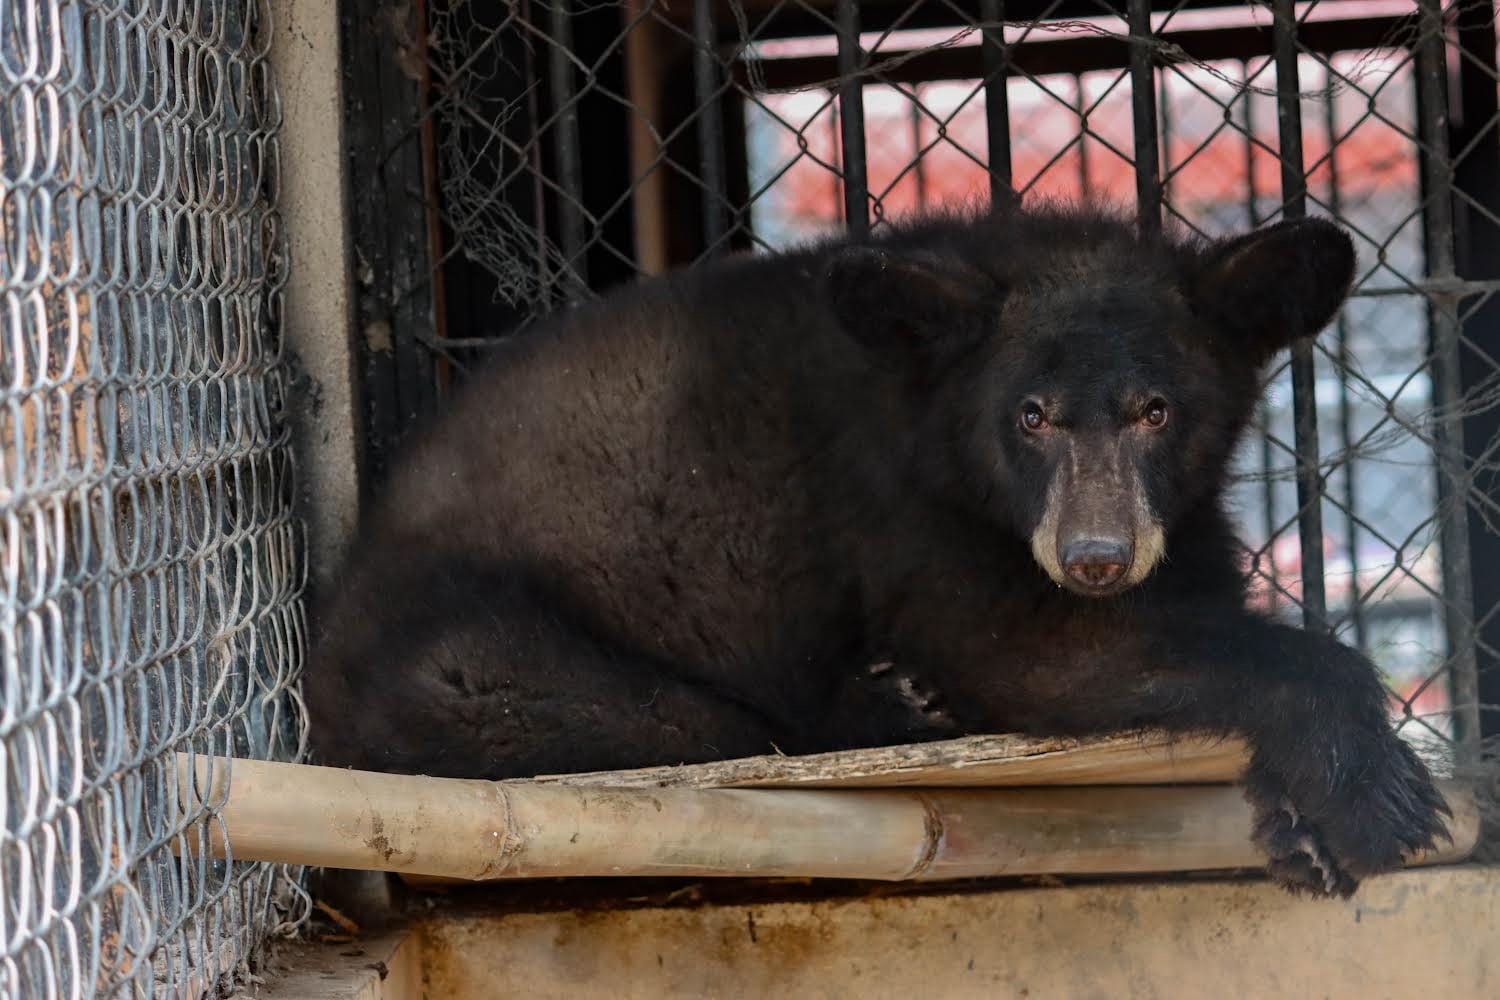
{"points": [[967, 475]]}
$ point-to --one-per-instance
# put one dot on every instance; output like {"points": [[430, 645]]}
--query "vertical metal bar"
{"points": [[534, 155], [919, 168], [1267, 456], [706, 83], [1346, 407], [1477, 174], [852, 120], [1304, 374], [1164, 127], [997, 99], [835, 128], [1252, 196], [566, 145], [1143, 106], [1080, 106], [1458, 594], [442, 367]]}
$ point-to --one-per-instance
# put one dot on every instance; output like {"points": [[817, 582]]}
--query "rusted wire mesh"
{"points": [[560, 147], [151, 565]]}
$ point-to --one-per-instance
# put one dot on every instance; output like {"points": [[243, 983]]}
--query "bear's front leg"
{"points": [[1337, 794]]}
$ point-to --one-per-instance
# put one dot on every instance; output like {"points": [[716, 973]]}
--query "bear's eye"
{"points": [[1156, 413], [1032, 417]]}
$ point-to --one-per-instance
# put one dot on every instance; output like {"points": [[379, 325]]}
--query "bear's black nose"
{"points": [[1096, 562]]}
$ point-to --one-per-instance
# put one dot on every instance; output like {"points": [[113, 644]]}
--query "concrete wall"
{"points": [[1432, 934], [318, 305]]}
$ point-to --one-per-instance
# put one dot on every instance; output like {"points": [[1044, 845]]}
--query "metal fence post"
{"points": [[1304, 375], [996, 98], [1458, 596], [1143, 107], [706, 87], [852, 119], [565, 145]]}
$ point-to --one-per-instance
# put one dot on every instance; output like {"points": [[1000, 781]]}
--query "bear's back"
{"points": [[657, 456]]}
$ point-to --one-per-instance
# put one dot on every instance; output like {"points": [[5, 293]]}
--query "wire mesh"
{"points": [[723, 125], [151, 564]]}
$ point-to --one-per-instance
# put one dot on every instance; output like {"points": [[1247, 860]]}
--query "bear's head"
{"points": [[1077, 382]]}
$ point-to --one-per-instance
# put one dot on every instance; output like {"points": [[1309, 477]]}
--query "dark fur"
{"points": [[679, 524]]}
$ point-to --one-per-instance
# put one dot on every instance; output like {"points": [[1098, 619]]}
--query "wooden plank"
{"points": [[977, 761]]}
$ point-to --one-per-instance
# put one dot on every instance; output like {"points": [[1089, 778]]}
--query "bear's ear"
{"points": [[1276, 285], [905, 300]]}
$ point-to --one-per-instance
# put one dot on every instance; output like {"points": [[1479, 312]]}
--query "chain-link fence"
{"points": [[531, 152], [151, 565]]}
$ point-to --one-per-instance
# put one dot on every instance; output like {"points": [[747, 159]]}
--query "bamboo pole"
{"points": [[479, 830]]}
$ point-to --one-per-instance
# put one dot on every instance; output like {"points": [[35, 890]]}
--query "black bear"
{"points": [[990, 449]]}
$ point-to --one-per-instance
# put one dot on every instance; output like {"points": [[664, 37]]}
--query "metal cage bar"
{"points": [[1143, 110], [1477, 216], [1342, 334], [1269, 522], [706, 87], [1453, 515], [852, 119], [566, 145], [1304, 375], [996, 98]]}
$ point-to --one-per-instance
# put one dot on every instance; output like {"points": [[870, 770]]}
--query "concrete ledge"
{"points": [[1415, 933], [387, 967]]}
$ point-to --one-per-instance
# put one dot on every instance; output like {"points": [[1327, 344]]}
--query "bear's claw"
{"points": [[1362, 830]]}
